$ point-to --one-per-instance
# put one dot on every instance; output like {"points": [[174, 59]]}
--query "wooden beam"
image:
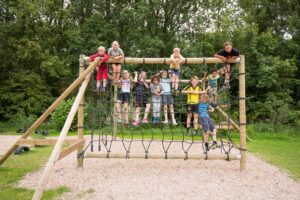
{"points": [[70, 149], [166, 61], [162, 156], [57, 148], [242, 114], [51, 108], [48, 141], [80, 117], [228, 118]]}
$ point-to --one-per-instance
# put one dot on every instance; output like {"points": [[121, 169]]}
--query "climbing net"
{"points": [[107, 128]]}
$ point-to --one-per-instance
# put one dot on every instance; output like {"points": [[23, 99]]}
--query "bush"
{"points": [[60, 115]]}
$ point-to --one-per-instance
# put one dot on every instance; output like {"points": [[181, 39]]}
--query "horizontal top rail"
{"points": [[203, 60]]}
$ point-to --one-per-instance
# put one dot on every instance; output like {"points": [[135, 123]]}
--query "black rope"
{"points": [[103, 107]]}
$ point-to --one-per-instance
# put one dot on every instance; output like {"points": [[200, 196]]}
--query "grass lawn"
{"points": [[277, 145], [16, 167]]}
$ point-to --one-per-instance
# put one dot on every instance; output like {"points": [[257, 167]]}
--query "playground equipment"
{"points": [[79, 143]]}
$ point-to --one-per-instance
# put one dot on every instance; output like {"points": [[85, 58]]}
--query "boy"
{"points": [[228, 55], [206, 122], [192, 92], [212, 89]]}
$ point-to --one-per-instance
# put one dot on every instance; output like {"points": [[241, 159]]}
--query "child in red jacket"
{"points": [[102, 69]]}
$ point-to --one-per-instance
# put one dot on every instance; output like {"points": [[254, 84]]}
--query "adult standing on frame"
{"points": [[116, 53]]}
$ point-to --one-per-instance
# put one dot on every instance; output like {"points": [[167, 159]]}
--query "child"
{"points": [[116, 53], [167, 98], [192, 92], [206, 122], [212, 88], [176, 60], [124, 98], [141, 97], [102, 69], [228, 54], [156, 90]]}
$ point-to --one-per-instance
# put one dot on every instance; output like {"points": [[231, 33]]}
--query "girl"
{"points": [[116, 53], [167, 98], [156, 90], [176, 60], [124, 98], [141, 97], [102, 69], [192, 92]]}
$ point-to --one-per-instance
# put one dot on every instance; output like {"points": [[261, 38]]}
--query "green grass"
{"points": [[278, 145], [16, 167]]}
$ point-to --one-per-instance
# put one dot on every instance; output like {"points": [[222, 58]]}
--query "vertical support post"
{"points": [[38, 194], [242, 105], [80, 114], [115, 127]]}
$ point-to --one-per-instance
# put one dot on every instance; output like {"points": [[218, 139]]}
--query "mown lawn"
{"points": [[277, 145], [16, 167]]}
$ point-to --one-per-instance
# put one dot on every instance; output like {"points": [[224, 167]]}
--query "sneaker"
{"points": [[188, 132], [165, 122], [155, 120], [206, 147], [136, 123], [215, 145], [145, 121], [102, 89], [196, 132], [120, 121], [174, 122], [214, 105]]}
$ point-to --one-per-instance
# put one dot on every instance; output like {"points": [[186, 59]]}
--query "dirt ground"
{"points": [[164, 179]]}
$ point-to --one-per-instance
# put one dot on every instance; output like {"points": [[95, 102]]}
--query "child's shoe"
{"points": [[136, 123], [215, 145], [188, 132], [154, 121], [174, 122], [145, 121], [102, 89], [206, 147], [196, 132]]}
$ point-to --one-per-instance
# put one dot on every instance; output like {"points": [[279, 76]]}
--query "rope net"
{"points": [[116, 127]]}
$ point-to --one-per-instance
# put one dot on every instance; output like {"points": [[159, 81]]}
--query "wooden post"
{"points": [[242, 104], [80, 118], [60, 141], [115, 115], [50, 109]]}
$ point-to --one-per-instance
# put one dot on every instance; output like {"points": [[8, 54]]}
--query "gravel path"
{"points": [[165, 179]]}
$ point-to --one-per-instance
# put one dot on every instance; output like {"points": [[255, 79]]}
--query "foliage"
{"points": [[60, 114], [41, 41]]}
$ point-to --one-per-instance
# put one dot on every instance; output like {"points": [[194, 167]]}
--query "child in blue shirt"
{"points": [[206, 122]]}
